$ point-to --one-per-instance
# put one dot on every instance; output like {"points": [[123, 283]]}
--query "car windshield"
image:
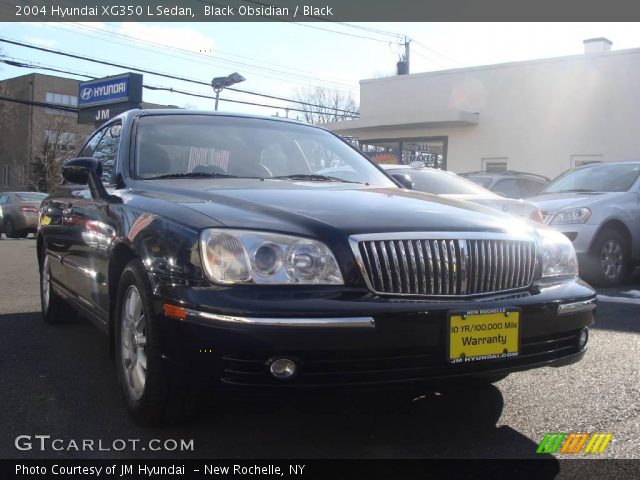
{"points": [[438, 182], [601, 178], [31, 196], [223, 147], [484, 181]]}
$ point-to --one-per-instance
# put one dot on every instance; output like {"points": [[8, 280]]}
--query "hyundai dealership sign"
{"points": [[103, 98], [108, 90]]}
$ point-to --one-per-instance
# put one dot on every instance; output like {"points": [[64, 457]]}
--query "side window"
{"points": [[509, 187], [106, 150], [3, 199], [88, 149], [529, 188]]}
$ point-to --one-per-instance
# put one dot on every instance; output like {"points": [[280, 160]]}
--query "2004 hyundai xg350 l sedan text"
{"points": [[210, 250]]}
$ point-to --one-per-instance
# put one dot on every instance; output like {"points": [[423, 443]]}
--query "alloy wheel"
{"points": [[612, 259], [133, 330], [45, 284]]}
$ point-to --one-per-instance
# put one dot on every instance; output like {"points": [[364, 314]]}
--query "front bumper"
{"points": [[343, 337], [26, 222], [581, 235]]}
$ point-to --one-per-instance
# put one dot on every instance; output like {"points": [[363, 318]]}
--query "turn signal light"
{"points": [[174, 311], [28, 209]]}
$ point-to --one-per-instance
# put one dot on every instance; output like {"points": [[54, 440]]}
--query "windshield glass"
{"points": [[603, 178], [31, 196], [221, 147], [484, 181], [439, 182]]}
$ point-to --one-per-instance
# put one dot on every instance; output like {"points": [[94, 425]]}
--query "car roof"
{"points": [[209, 113], [396, 166], [505, 173]]}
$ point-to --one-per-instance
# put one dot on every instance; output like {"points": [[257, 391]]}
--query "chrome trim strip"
{"points": [[464, 260], [338, 322], [575, 307]]}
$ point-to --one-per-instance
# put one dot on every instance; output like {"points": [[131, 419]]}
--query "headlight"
{"points": [[558, 254], [571, 215], [244, 256]]}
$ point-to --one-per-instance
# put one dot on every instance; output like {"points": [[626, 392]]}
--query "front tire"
{"points": [[51, 304], [608, 262], [153, 394]]}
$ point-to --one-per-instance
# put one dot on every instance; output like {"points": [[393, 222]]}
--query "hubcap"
{"points": [[134, 343], [45, 284], [612, 259]]}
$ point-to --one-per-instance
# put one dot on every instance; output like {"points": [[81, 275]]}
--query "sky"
{"points": [[283, 59]]}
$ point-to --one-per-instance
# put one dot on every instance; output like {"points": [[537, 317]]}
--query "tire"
{"points": [[154, 395], [608, 263], [9, 229], [51, 304]]}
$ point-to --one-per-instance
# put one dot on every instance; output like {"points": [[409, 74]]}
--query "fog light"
{"points": [[583, 336], [282, 368]]}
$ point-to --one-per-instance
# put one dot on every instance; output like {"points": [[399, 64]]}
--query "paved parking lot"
{"points": [[60, 381]]}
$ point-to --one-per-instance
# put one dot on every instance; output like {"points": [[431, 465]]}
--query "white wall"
{"points": [[538, 114]]}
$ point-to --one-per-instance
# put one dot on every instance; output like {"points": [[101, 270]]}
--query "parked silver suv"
{"points": [[598, 208]]}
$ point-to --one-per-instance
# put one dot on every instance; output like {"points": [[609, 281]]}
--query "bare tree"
{"points": [[56, 146], [323, 105]]}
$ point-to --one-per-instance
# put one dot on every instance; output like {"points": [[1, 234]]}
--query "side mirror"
{"points": [[79, 170], [88, 171], [403, 179]]}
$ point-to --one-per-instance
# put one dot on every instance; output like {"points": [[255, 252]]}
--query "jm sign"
{"points": [[103, 98]]}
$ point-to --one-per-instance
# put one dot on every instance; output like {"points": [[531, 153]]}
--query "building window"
{"points": [[24, 174], [65, 140], [4, 175], [494, 165], [60, 99]]}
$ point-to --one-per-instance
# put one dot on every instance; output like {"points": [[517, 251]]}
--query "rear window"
{"points": [[31, 196]]}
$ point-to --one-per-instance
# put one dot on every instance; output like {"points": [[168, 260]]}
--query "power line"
{"points": [[38, 104], [174, 77], [278, 72], [155, 87]]}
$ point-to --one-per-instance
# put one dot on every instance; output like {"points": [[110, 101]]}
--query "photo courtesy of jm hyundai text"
{"points": [[213, 254]]}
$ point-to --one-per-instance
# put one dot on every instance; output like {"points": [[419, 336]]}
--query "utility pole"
{"points": [[407, 41]]}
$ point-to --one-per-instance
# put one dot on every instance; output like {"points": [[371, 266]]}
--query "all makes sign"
{"points": [[103, 98]]}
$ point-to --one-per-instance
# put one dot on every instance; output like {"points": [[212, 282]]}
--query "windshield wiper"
{"points": [[193, 175], [312, 177]]}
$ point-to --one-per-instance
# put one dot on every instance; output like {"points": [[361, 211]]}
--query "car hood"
{"points": [[551, 203], [312, 207], [507, 205]]}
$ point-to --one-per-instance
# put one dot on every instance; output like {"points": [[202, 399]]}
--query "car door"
{"points": [[88, 228]]}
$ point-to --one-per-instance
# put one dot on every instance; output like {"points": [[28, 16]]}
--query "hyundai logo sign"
{"points": [[110, 90], [86, 93]]}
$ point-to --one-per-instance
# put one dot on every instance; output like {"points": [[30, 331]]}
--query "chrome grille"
{"points": [[445, 266]]}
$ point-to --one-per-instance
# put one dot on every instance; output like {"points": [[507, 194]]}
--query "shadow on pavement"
{"points": [[59, 380], [620, 317]]}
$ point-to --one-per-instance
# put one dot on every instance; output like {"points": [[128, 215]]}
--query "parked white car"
{"points": [[449, 185], [598, 208]]}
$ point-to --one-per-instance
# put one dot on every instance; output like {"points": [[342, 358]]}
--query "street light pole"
{"points": [[220, 83]]}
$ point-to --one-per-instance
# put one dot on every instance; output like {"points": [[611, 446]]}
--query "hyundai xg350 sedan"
{"points": [[211, 252]]}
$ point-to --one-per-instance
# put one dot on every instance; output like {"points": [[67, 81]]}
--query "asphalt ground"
{"points": [[60, 381]]}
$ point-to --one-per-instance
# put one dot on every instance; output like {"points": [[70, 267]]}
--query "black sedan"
{"points": [[213, 254]]}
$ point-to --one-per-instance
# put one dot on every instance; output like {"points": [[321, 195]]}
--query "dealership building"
{"points": [[539, 116], [26, 127]]}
